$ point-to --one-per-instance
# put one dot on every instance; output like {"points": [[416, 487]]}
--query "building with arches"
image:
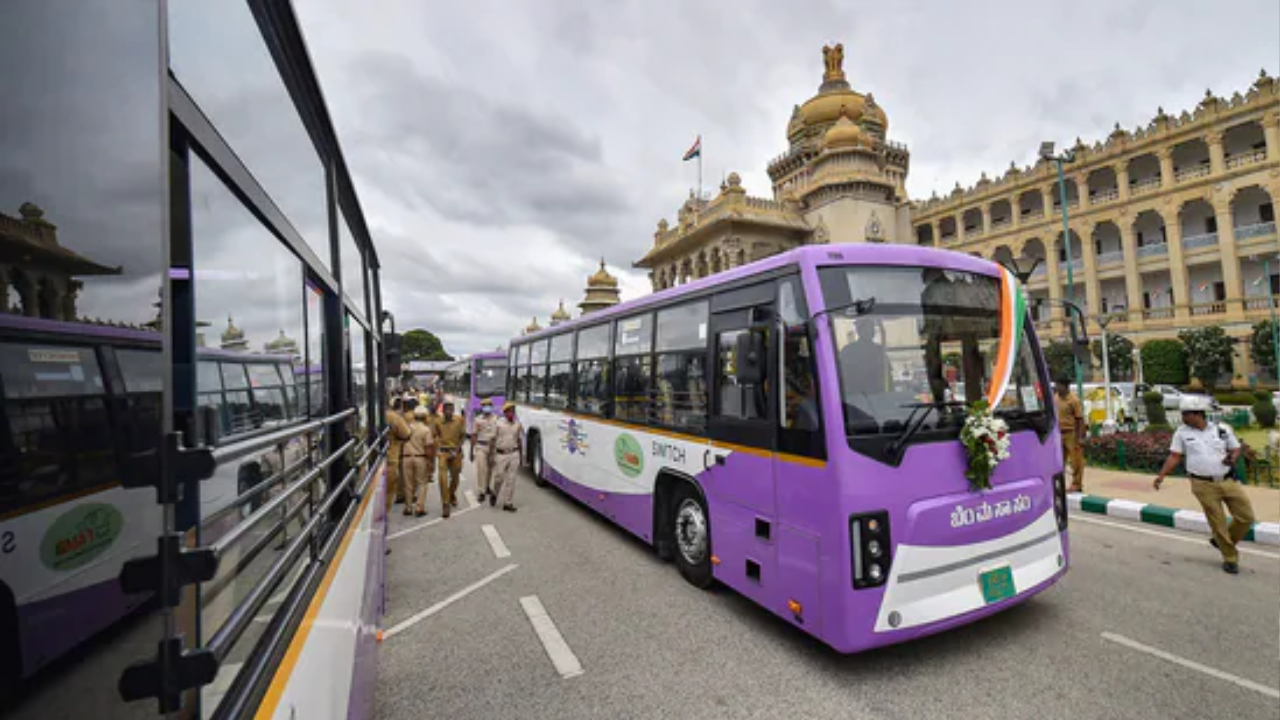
{"points": [[1169, 224], [841, 180]]}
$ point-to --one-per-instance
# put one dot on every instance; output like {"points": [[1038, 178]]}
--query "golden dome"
{"points": [[232, 332], [602, 278], [533, 327], [844, 134], [560, 314], [835, 98]]}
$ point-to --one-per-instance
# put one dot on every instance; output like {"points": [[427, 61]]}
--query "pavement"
{"points": [[1130, 496], [1145, 625]]}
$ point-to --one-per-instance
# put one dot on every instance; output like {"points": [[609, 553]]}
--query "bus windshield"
{"points": [[906, 336], [491, 378]]}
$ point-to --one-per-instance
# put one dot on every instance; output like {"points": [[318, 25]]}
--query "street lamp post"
{"points": [[1046, 153], [1108, 425]]}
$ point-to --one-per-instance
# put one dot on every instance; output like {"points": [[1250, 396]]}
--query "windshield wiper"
{"points": [[915, 421]]}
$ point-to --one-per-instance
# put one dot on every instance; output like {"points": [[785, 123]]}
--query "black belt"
{"points": [[507, 452], [412, 456], [1206, 479]]}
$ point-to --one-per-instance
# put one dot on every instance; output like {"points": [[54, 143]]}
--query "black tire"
{"points": [[536, 466], [691, 536]]}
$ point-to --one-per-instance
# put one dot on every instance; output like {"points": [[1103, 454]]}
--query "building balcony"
{"points": [[1212, 308], [1157, 313], [1246, 159], [1076, 265], [1035, 214], [1072, 204], [1244, 232], [1265, 302], [976, 232], [948, 239], [1041, 269], [1111, 258], [1195, 172], [1145, 187], [1001, 224], [1104, 196], [1200, 241], [1155, 250]]}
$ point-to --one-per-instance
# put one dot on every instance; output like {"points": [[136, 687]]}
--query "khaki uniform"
{"points": [[506, 458], [449, 442], [1070, 419], [395, 447], [486, 432], [416, 477]]}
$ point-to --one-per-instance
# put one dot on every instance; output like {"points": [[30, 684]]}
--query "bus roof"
{"points": [[90, 331], [808, 256]]}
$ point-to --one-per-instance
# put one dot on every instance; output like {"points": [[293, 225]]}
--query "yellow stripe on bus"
{"points": [[757, 452], [285, 671]]}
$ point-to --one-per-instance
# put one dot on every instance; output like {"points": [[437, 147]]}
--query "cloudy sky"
{"points": [[501, 148]]}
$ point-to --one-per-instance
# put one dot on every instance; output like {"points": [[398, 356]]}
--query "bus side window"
{"points": [[801, 418], [59, 438], [143, 386]]}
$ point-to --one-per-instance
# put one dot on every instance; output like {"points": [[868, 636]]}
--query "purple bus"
{"points": [[78, 399], [467, 383], [791, 429]]}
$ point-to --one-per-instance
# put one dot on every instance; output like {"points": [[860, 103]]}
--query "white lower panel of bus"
{"points": [[928, 584]]}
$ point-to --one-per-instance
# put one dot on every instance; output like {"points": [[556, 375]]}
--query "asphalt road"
{"points": [[1145, 625]]}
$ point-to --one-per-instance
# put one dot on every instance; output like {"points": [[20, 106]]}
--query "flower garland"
{"points": [[986, 441]]}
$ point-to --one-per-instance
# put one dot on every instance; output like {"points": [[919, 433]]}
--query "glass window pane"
{"points": [[593, 342], [562, 348], [631, 388], [312, 375], [735, 399], [204, 38], [29, 370], [353, 279], [683, 327], [681, 397], [359, 378], [558, 385], [538, 352], [635, 335], [591, 394], [264, 375], [234, 376], [143, 370]]}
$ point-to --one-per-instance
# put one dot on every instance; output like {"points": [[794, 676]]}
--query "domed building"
{"points": [[841, 180], [283, 345], [602, 291], [233, 337], [532, 327], [560, 315]]}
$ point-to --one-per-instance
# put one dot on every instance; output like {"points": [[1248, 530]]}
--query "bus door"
{"points": [[739, 480]]}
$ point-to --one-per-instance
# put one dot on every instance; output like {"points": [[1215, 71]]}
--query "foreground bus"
{"points": [[790, 429], [78, 401], [469, 382]]}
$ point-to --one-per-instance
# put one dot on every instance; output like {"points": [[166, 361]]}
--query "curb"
{"points": [[1260, 533]]}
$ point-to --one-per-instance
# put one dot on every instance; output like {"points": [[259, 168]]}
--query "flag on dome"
{"points": [[695, 151]]}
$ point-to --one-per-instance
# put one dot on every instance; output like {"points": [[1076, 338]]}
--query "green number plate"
{"points": [[997, 584]]}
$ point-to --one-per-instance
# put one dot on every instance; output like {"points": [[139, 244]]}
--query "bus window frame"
{"points": [[606, 402]]}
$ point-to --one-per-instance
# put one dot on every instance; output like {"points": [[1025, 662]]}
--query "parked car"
{"points": [[1171, 395]]}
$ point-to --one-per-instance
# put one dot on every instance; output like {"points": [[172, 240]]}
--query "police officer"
{"points": [[415, 464], [506, 451], [452, 431], [395, 447], [486, 429], [1071, 425], [1211, 450]]}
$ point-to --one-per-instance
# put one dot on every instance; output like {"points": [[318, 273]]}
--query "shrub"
{"points": [[1208, 352], [1243, 399], [1262, 348], [1142, 452], [1265, 412], [1164, 362], [1153, 402], [1060, 358]]}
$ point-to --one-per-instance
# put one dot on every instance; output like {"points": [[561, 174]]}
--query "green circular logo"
{"points": [[80, 535], [627, 453]]}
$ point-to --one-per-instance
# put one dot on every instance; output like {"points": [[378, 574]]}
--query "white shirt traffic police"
{"points": [[1204, 450]]}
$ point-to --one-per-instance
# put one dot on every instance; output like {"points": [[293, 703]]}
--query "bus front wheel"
{"points": [[691, 531]]}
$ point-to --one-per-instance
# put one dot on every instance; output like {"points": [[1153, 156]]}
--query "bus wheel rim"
{"points": [[691, 531]]}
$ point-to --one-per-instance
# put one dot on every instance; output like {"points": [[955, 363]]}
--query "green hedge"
{"points": [[1164, 362]]}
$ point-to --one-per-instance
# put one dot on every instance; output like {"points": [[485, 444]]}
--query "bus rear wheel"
{"points": [[691, 536], [535, 460]]}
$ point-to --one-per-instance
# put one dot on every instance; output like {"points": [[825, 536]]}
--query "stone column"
{"points": [[1217, 161], [1122, 180], [1092, 287], [1015, 213], [1166, 167], [1229, 259], [1177, 269], [1132, 278], [27, 292], [986, 219], [960, 228], [937, 238], [1082, 189], [1271, 131], [1049, 194]]}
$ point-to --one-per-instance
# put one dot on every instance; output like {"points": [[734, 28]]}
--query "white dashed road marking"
{"points": [[429, 523], [471, 498], [495, 541], [1191, 664], [406, 624], [562, 657]]}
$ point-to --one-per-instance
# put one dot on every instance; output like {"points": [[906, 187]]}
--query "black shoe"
{"points": [[454, 503], [493, 499], [399, 501], [1231, 568], [1213, 542], [421, 513], [408, 512], [509, 508]]}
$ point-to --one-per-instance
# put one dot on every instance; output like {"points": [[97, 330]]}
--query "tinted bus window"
{"points": [[633, 368], [490, 378], [537, 380], [32, 371], [144, 403], [681, 377], [238, 403], [142, 370], [591, 371], [268, 391]]}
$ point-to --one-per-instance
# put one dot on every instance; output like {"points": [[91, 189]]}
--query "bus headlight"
{"points": [[869, 546]]}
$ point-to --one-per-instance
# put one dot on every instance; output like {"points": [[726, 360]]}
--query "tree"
{"points": [[1060, 357], [1164, 362], [422, 345], [1120, 354], [1262, 349], [1208, 353]]}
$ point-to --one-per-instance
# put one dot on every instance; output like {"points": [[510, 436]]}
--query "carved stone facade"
{"points": [[841, 180], [37, 275], [1170, 224]]}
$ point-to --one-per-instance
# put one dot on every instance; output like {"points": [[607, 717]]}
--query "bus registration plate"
{"points": [[997, 584]]}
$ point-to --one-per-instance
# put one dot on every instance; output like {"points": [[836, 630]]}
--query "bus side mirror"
{"points": [[1079, 334], [749, 358], [391, 348]]}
